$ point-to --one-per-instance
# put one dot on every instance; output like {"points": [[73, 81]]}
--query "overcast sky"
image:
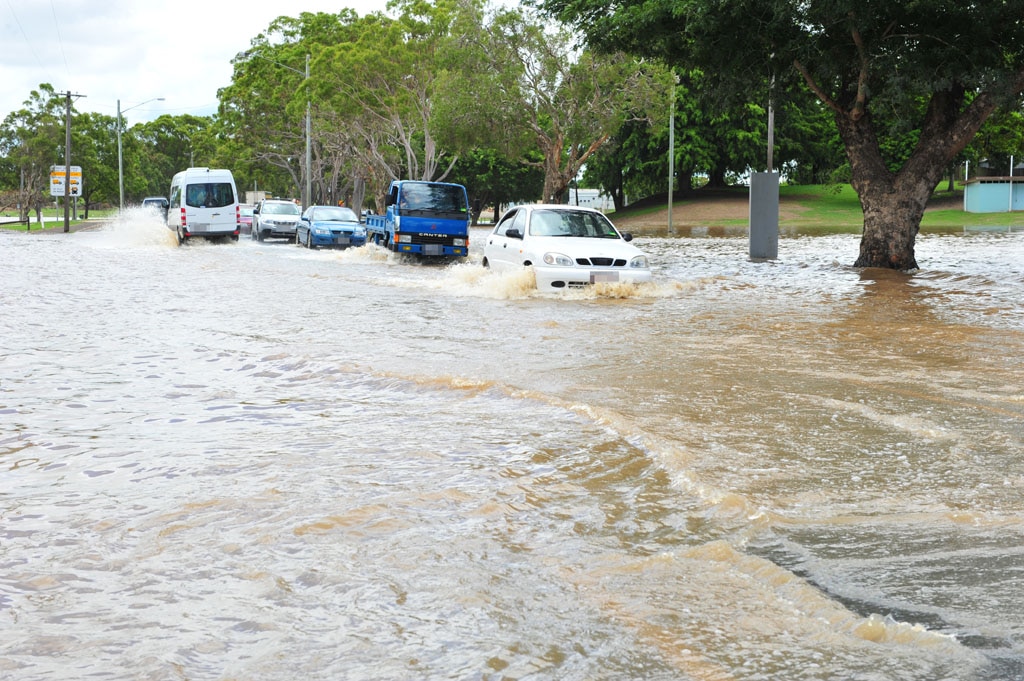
{"points": [[135, 50]]}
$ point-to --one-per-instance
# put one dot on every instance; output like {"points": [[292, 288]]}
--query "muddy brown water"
{"points": [[253, 461]]}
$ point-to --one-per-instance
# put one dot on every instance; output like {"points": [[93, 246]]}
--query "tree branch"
{"points": [[815, 88]]}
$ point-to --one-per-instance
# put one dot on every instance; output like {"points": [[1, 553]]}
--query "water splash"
{"points": [[137, 227]]}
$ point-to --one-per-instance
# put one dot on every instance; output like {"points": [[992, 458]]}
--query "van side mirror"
{"points": [[626, 236]]}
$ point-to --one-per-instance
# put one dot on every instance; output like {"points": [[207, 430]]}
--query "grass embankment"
{"points": [[803, 210], [53, 220]]}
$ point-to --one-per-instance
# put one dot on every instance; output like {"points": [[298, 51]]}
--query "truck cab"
{"points": [[423, 218]]}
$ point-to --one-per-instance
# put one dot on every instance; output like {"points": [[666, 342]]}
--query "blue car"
{"points": [[329, 227]]}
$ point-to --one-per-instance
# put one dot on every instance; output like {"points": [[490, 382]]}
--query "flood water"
{"points": [[252, 461]]}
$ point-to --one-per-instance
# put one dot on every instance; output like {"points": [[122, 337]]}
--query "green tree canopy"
{"points": [[565, 101], [863, 59]]}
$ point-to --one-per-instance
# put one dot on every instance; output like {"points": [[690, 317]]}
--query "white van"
{"points": [[203, 202]]}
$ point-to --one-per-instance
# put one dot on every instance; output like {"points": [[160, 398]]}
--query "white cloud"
{"points": [[135, 50]]}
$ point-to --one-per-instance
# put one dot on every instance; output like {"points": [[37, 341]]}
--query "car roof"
{"points": [[555, 206]]}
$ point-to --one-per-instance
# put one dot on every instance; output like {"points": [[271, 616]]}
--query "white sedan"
{"points": [[567, 247]]}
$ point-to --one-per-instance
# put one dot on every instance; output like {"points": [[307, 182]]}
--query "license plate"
{"points": [[341, 240], [598, 277], [433, 249]]}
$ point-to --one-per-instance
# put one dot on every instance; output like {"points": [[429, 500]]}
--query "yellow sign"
{"points": [[57, 176]]}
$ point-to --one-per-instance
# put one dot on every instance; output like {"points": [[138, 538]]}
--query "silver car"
{"points": [[275, 219]]}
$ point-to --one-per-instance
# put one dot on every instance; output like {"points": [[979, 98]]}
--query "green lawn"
{"points": [[53, 220], [819, 209]]}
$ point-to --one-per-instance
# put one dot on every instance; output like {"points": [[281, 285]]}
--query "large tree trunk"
{"points": [[892, 219], [894, 203]]}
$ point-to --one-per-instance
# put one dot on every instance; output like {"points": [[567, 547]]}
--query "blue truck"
{"points": [[423, 218]]}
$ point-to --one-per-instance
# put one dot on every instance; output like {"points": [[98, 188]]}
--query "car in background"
{"points": [[330, 227], [245, 218], [157, 203], [567, 247], [275, 219]]}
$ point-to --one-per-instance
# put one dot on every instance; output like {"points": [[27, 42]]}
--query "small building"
{"points": [[994, 194]]}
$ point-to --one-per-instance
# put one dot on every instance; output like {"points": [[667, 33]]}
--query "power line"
{"points": [[60, 40], [21, 29]]}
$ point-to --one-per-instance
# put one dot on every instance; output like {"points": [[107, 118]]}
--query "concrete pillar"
{"points": [[764, 216]]}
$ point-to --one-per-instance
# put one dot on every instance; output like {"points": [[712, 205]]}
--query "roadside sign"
{"points": [[57, 176]]}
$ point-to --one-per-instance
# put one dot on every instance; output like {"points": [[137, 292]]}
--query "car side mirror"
{"points": [[513, 233], [626, 236]]}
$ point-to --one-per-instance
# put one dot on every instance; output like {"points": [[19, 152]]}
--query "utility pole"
{"points": [[67, 158]]}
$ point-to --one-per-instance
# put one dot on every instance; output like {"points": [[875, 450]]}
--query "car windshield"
{"points": [[286, 208], [571, 223], [334, 214]]}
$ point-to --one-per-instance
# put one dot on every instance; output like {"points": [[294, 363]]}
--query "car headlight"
{"points": [[359, 231], [321, 230], [558, 259], [639, 261]]}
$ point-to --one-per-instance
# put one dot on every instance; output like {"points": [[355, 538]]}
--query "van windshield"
{"points": [[209, 195]]}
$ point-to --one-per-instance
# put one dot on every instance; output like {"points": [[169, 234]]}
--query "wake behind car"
{"points": [[275, 219], [567, 247], [329, 227]]}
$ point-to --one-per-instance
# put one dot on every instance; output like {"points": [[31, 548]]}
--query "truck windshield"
{"points": [[434, 199]]}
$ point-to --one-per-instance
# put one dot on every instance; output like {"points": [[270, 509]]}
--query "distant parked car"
{"points": [[567, 247], [330, 226], [245, 218], [275, 219], [157, 203]]}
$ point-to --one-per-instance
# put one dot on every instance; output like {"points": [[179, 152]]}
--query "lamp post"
{"points": [[307, 198], [120, 161]]}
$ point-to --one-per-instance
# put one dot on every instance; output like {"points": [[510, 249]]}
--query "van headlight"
{"points": [[639, 261], [558, 259]]}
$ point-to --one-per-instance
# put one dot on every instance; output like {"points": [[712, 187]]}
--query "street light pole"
{"points": [[120, 161], [309, 154], [307, 187]]}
